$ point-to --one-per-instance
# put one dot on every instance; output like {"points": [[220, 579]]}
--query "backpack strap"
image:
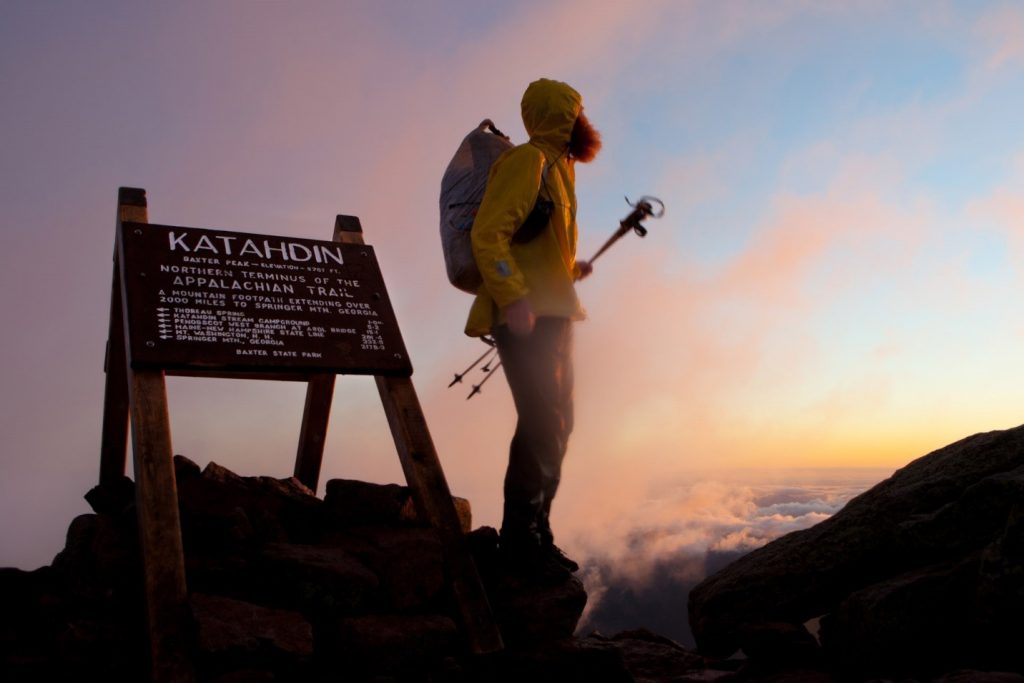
{"points": [[487, 124], [539, 216]]}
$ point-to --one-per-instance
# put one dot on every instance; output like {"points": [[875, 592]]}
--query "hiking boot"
{"points": [[528, 560], [547, 542], [556, 554], [519, 549]]}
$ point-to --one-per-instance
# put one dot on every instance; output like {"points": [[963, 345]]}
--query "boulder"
{"points": [[406, 560], [353, 502], [222, 510], [929, 551], [385, 644], [185, 469], [572, 660], [975, 676], [33, 614], [100, 560], [315, 580], [530, 606], [232, 635], [911, 625], [999, 598], [112, 498], [649, 656], [98, 648]]}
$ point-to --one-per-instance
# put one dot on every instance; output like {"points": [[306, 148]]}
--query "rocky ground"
{"points": [[921, 575], [919, 579], [285, 586]]}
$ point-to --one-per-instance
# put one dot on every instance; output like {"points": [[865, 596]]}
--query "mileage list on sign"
{"points": [[212, 299]]}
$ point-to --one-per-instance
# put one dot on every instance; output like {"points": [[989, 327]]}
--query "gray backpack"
{"points": [[462, 189]]}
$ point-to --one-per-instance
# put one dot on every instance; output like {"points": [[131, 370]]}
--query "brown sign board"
{"points": [[200, 300]]}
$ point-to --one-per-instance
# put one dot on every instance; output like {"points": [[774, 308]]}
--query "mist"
{"points": [[641, 575]]}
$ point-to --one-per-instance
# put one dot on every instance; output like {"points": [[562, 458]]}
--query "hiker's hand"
{"points": [[584, 268], [520, 317]]}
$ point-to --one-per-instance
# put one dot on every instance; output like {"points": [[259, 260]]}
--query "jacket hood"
{"points": [[550, 109]]}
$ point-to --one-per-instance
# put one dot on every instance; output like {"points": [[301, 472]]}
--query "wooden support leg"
{"points": [[114, 443], [434, 502], [163, 557], [429, 488], [319, 394], [131, 206]]}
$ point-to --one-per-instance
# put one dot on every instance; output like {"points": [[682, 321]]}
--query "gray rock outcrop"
{"points": [[923, 573]]}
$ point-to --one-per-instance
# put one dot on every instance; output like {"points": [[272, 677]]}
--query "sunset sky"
{"points": [[835, 284]]}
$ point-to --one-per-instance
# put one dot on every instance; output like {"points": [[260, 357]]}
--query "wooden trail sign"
{"points": [[205, 299], [213, 303]]}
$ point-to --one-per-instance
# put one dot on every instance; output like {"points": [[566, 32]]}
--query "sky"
{"points": [[831, 293]]}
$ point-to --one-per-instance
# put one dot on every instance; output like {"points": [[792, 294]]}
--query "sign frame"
{"points": [[191, 312], [137, 396]]}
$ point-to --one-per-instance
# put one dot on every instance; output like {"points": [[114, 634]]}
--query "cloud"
{"points": [[1003, 207], [1001, 30], [641, 573]]}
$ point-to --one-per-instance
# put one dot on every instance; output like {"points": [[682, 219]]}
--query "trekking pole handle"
{"points": [[643, 208]]}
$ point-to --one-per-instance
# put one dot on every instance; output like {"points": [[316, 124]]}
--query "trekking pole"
{"points": [[487, 365], [477, 387], [642, 209], [460, 375]]}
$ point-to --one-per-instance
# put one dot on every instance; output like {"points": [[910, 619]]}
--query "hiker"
{"points": [[524, 244]]}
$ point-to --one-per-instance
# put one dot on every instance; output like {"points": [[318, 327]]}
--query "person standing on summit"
{"points": [[524, 243]]}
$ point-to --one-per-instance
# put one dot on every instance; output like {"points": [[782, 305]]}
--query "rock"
{"points": [[999, 598], [386, 644], [756, 674], [224, 574], [937, 511], [316, 580], [912, 625], [285, 587], [102, 649], [778, 643], [573, 660], [649, 656], [185, 469], [291, 504], [361, 503], [530, 607], [220, 509], [463, 510], [245, 676], [233, 635], [112, 498], [972, 676], [100, 560], [74, 563], [51, 630], [116, 557], [409, 564], [33, 614], [219, 474], [530, 613]]}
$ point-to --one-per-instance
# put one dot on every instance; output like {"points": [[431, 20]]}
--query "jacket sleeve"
{"points": [[510, 196]]}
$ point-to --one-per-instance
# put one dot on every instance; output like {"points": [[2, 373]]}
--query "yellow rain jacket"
{"points": [[544, 269]]}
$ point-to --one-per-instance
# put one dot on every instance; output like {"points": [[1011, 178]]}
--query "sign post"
{"points": [[213, 303]]}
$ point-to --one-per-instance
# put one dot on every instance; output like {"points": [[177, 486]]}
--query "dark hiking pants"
{"points": [[538, 367]]}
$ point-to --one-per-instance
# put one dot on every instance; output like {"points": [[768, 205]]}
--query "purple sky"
{"points": [[835, 282]]}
